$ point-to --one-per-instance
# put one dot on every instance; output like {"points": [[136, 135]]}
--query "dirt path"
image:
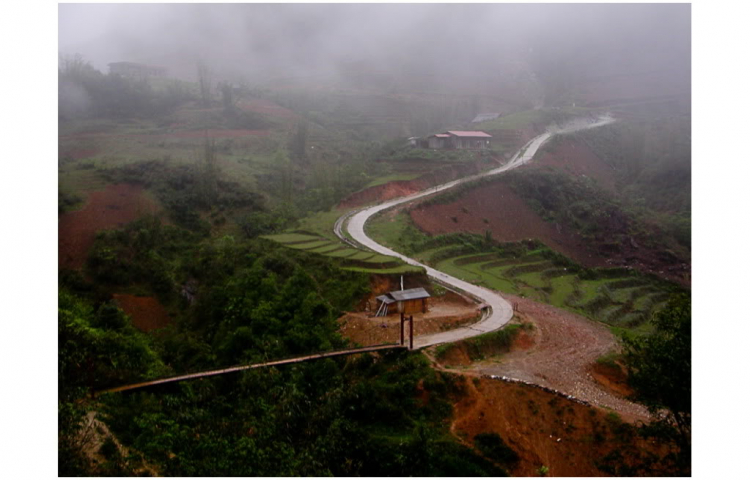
{"points": [[564, 350]]}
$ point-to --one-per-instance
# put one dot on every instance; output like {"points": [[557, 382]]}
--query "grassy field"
{"points": [[392, 178], [321, 224], [351, 258], [621, 299], [526, 118]]}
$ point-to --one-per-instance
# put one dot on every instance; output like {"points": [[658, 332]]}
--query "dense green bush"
{"points": [[659, 368], [143, 252], [347, 417], [486, 344], [183, 191], [67, 201]]}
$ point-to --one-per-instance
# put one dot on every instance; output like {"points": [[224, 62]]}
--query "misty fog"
{"points": [[444, 43]]}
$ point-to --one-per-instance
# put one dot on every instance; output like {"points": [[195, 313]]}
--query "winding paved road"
{"points": [[499, 311]]}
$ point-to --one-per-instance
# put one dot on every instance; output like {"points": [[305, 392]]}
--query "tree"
{"points": [[204, 83], [298, 142], [659, 368], [210, 171], [228, 97], [286, 175]]}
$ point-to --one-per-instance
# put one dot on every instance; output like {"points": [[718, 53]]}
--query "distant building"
{"points": [[460, 140], [439, 140], [409, 301], [136, 70], [483, 117]]}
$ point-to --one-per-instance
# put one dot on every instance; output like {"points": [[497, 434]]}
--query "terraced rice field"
{"points": [[626, 301], [351, 258]]}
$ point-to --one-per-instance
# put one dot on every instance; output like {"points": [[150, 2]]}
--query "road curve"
{"points": [[499, 311]]}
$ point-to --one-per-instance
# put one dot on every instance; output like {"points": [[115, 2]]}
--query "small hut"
{"points": [[471, 140], [136, 70], [413, 300], [439, 140], [460, 140]]}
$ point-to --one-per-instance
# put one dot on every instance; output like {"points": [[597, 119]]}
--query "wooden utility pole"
{"points": [[402, 329], [411, 332]]}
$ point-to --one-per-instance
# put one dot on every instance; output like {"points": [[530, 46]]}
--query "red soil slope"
{"points": [[546, 430], [146, 313], [267, 107], [497, 208], [76, 153], [211, 133], [402, 188], [109, 208]]}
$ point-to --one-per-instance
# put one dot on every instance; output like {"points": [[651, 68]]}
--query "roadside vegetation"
{"points": [[540, 118], [483, 346]]}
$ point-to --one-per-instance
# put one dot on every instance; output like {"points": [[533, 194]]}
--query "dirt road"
{"points": [[565, 347]]}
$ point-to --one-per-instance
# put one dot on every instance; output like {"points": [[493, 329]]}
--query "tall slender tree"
{"points": [[204, 83]]}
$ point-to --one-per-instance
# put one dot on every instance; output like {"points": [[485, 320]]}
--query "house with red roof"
{"points": [[460, 140]]}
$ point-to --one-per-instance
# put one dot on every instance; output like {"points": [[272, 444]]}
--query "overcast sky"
{"points": [[267, 40]]}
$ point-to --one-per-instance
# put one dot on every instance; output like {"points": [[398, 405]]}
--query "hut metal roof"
{"points": [[461, 133], [481, 117], [386, 299], [411, 294]]}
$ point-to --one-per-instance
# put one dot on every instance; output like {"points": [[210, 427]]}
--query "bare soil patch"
{"points": [[267, 107], [544, 429], [446, 312], [611, 378], [146, 313], [387, 191], [112, 207], [565, 350], [211, 133], [496, 207], [401, 188]]}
